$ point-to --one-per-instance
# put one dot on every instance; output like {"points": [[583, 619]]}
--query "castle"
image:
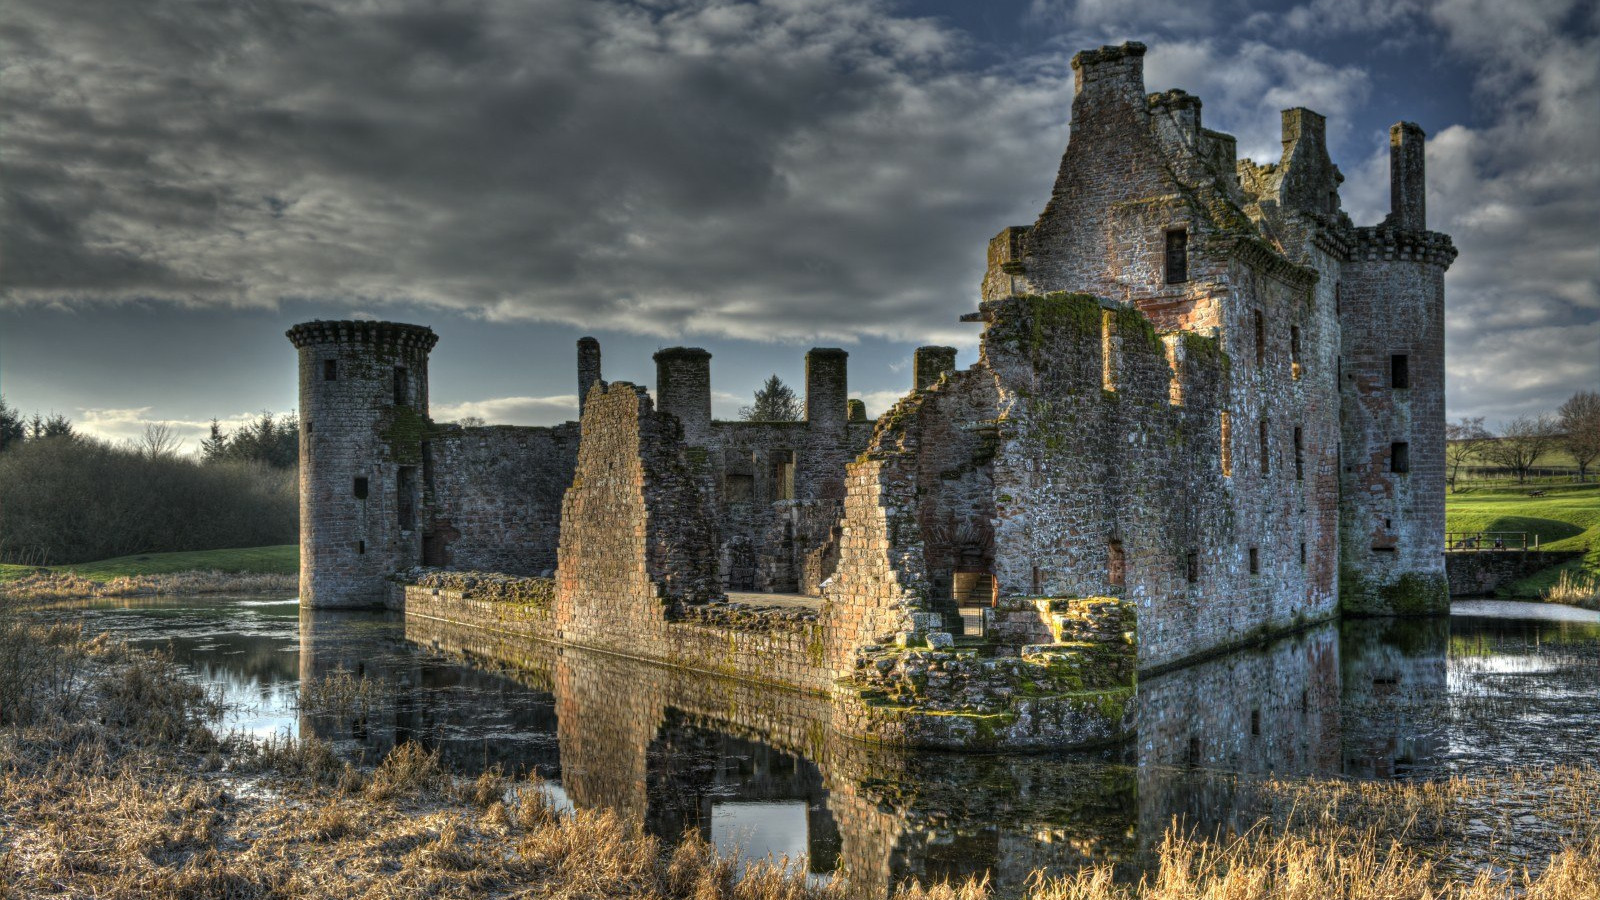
{"points": [[1207, 408]]}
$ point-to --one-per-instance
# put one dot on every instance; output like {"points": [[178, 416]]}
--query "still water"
{"points": [[1493, 685]]}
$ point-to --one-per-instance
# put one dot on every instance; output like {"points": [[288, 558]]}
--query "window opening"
{"points": [[1255, 722], [402, 388], [361, 488], [1294, 350], [1177, 256], [361, 548], [783, 475], [427, 465], [1302, 553], [1116, 565], [1255, 561], [1299, 456], [1261, 339], [330, 370], [406, 497], [1192, 566], [1400, 457], [1227, 447], [1400, 371], [1266, 453]]}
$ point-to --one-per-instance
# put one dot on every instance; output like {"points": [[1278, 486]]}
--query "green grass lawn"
{"points": [[279, 560], [1565, 518]]}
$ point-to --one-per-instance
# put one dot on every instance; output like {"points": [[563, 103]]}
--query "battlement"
{"points": [[362, 331]]}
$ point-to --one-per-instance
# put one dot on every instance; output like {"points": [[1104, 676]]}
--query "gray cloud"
{"points": [[769, 172], [816, 170]]}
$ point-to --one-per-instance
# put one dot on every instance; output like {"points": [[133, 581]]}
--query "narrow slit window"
{"points": [[1227, 447], [1191, 565], [360, 488], [1255, 561], [1261, 339], [1294, 351], [1116, 565], [1400, 457], [406, 497], [361, 548], [330, 370], [1177, 256], [427, 465], [1299, 456], [1266, 451], [1400, 371], [1302, 553], [1255, 722], [402, 387], [1038, 582]]}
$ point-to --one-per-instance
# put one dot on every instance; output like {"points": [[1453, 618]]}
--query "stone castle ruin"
{"points": [[1207, 408]]}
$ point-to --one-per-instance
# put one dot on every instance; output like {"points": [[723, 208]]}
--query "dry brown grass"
{"points": [[119, 790], [52, 586], [1575, 589]]}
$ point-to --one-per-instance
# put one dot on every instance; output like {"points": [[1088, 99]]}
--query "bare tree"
{"points": [[1521, 443], [471, 422], [158, 442], [1464, 442], [1580, 424]]}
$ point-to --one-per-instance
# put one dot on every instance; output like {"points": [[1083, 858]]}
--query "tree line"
{"points": [[1526, 439], [67, 497]]}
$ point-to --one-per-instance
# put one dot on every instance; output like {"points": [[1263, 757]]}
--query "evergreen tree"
{"points": [[774, 402], [12, 428]]}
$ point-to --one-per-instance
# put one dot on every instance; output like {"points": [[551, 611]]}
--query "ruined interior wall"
{"points": [[494, 497], [955, 478], [1392, 523], [769, 543]]}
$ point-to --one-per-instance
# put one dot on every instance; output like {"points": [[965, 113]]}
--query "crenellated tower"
{"points": [[1391, 315], [363, 459]]}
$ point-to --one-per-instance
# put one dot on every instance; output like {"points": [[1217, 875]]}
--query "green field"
{"points": [[1565, 518], [279, 560]]}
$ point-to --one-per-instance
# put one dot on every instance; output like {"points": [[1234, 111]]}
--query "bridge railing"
{"points": [[1477, 541]]}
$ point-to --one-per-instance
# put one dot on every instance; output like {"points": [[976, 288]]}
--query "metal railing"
{"points": [[1477, 541]]}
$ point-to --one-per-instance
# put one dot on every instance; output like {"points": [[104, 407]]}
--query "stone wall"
{"points": [[494, 496], [1484, 573]]}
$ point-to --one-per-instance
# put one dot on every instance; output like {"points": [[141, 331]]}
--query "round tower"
{"points": [[363, 457]]}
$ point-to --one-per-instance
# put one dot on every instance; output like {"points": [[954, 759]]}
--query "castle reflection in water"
{"points": [[756, 769]]}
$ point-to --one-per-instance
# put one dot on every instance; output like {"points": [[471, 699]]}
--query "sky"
{"points": [[182, 180]]}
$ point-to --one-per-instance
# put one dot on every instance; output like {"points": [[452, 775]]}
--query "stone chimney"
{"points": [[1408, 183], [588, 369]]}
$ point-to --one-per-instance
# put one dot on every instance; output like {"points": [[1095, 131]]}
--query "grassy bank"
{"points": [[250, 570], [1565, 518], [283, 559], [114, 784]]}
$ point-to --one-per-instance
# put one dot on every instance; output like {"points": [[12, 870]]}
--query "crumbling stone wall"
{"points": [[494, 496], [637, 540]]}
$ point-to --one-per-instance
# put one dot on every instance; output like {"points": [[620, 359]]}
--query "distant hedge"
{"points": [[73, 499]]}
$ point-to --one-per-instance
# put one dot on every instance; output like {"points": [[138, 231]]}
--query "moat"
{"points": [[1491, 686]]}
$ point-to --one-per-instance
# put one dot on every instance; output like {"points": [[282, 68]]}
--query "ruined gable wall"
{"points": [[1136, 167], [637, 540], [494, 496]]}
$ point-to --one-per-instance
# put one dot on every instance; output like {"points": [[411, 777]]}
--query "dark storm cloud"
{"points": [[792, 169]]}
